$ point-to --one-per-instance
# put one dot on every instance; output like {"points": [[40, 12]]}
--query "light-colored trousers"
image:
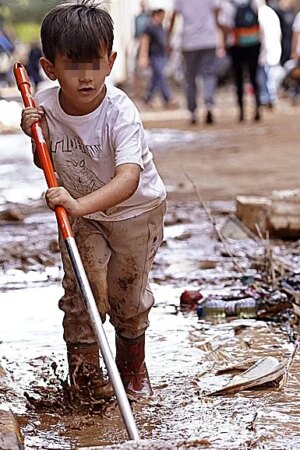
{"points": [[117, 257]]}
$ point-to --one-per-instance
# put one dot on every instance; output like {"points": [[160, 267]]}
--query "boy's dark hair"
{"points": [[79, 30]]}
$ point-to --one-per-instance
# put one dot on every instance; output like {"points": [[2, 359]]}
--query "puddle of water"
{"points": [[31, 335], [160, 139], [20, 180]]}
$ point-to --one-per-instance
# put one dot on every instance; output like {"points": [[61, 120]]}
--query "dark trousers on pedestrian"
{"points": [[200, 63], [245, 57], [158, 79]]}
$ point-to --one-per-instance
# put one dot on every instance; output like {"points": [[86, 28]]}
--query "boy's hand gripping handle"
{"points": [[23, 84]]}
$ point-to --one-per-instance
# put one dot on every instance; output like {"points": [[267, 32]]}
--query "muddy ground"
{"points": [[230, 158], [184, 353]]}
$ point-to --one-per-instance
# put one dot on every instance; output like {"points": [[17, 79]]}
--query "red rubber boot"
{"points": [[130, 359]]}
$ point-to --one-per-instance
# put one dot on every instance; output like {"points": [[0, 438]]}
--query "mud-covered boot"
{"points": [[86, 376], [130, 359]]}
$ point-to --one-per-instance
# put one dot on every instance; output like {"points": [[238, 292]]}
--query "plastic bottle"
{"points": [[211, 309], [246, 308], [230, 308], [216, 309]]}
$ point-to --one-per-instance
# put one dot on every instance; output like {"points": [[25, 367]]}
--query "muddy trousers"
{"points": [[117, 257]]}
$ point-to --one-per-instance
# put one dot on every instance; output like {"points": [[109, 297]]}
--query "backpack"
{"points": [[246, 30]]}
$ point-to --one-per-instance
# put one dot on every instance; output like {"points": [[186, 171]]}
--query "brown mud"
{"points": [[183, 353]]}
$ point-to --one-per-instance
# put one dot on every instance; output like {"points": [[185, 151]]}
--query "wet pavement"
{"points": [[183, 352]]}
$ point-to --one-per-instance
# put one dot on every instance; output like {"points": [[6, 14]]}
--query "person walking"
{"points": [[269, 69], [33, 64], [286, 11], [110, 188], [239, 22], [295, 51], [153, 54], [141, 21], [199, 41]]}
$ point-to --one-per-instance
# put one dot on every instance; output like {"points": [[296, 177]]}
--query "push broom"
{"points": [[23, 84]]}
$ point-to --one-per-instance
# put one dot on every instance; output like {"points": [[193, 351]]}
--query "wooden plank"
{"points": [[253, 210], [10, 434]]}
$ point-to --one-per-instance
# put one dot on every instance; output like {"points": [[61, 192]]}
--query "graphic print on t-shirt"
{"points": [[78, 179], [75, 144], [72, 168]]}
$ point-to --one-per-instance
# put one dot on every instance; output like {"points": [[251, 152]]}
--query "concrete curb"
{"points": [[10, 433]]}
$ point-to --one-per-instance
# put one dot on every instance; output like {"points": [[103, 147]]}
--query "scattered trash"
{"points": [[271, 304], [240, 366], [247, 280], [11, 437], [189, 299], [252, 211], [279, 215], [265, 370], [214, 308], [233, 228], [12, 215]]}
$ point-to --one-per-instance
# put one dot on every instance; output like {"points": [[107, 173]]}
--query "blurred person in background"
{"points": [[6, 51], [153, 53], [239, 22], [291, 81], [33, 64], [140, 24], [141, 20], [286, 12], [270, 53], [295, 52], [199, 41]]}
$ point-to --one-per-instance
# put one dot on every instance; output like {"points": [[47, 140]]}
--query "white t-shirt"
{"points": [[199, 23], [86, 150], [270, 32]]}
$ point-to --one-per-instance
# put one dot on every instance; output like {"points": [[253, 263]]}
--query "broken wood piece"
{"points": [[10, 435], [252, 211], [233, 228], [265, 370], [240, 366]]}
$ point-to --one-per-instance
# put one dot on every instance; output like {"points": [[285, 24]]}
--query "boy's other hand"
{"points": [[59, 196], [30, 116]]}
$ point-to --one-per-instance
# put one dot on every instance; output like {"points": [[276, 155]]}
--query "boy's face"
{"points": [[81, 81]]}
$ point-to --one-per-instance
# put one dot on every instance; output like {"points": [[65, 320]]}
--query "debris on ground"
{"points": [[266, 370], [189, 299], [279, 215], [10, 436]]}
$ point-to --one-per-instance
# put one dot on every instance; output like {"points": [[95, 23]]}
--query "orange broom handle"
{"points": [[23, 84]]}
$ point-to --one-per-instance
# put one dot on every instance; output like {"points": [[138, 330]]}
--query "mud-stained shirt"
{"points": [[86, 150]]}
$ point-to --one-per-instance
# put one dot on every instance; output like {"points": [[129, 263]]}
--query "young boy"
{"points": [[109, 187]]}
